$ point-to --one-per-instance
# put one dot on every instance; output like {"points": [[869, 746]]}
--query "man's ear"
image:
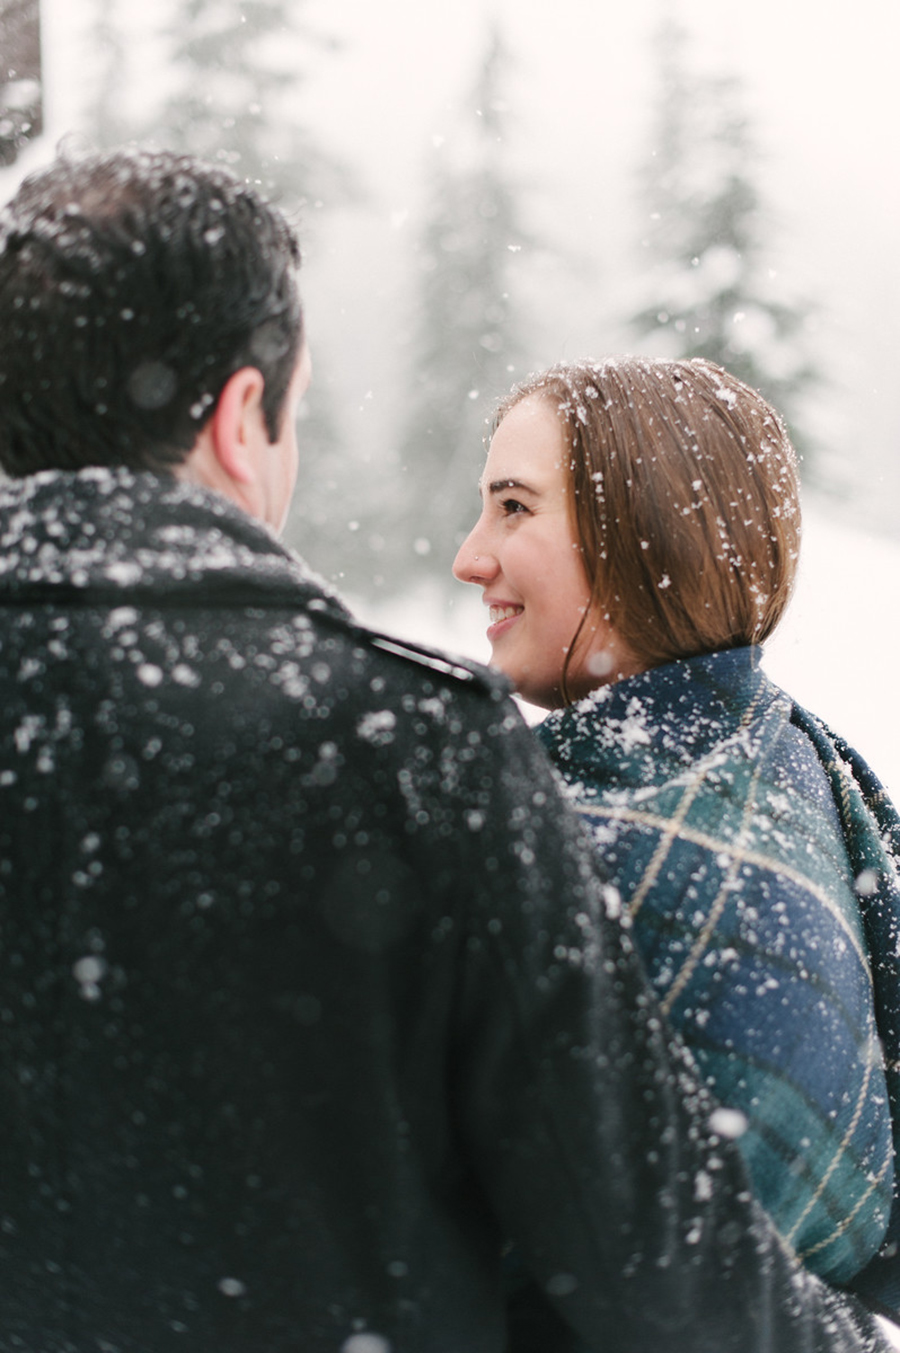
{"points": [[237, 424]]}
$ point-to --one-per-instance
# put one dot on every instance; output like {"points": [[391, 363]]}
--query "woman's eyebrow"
{"points": [[501, 486]]}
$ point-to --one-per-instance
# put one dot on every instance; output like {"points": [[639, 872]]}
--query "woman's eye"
{"points": [[511, 507]]}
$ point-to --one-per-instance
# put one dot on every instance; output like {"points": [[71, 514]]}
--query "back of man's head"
{"points": [[133, 284]]}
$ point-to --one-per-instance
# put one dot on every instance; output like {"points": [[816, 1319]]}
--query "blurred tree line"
{"points": [[707, 288], [230, 75], [21, 84]]}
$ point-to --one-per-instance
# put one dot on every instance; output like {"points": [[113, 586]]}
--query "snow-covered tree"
{"points": [[708, 287], [21, 91], [107, 114], [236, 74], [464, 340]]}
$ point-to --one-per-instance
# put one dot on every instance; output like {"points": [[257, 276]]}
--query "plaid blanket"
{"points": [[756, 855]]}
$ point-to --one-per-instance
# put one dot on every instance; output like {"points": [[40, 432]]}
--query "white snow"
{"points": [[838, 647], [231, 1287], [728, 1122]]}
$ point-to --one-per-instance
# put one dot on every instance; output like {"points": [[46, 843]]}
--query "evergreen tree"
{"points": [[21, 78], [464, 337], [107, 121], [709, 291], [238, 70]]}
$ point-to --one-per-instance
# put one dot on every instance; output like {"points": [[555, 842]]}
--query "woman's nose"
{"points": [[472, 567]]}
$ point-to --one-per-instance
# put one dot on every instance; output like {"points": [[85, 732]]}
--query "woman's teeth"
{"points": [[499, 613]]}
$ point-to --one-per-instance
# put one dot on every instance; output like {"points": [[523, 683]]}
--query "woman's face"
{"points": [[524, 553]]}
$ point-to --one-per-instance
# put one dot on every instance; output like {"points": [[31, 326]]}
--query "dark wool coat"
{"points": [[308, 1003], [737, 831]]}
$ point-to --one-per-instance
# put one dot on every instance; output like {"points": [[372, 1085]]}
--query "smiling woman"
{"points": [[530, 565], [638, 540], [602, 547]]}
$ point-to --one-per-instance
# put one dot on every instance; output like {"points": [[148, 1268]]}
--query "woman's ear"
{"points": [[237, 425]]}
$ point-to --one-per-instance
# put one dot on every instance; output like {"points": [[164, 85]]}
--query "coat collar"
{"points": [[115, 533]]}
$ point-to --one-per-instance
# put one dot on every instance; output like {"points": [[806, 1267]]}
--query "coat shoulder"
{"points": [[420, 659]]}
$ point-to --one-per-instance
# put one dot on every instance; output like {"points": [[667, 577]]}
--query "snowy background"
{"points": [[387, 92], [820, 86]]}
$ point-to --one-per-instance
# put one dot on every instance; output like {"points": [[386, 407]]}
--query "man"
{"points": [[310, 1001]]}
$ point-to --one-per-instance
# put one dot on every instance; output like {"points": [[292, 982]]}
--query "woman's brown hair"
{"points": [[685, 501]]}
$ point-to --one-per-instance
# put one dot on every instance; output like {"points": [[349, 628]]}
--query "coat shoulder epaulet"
{"points": [[449, 666]]}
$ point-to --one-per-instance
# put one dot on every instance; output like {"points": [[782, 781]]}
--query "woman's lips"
{"points": [[502, 617]]}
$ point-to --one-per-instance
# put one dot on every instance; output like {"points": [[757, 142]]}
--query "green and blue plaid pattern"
{"points": [[746, 845]]}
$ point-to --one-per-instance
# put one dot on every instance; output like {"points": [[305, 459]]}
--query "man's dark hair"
{"points": [[133, 284]]}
